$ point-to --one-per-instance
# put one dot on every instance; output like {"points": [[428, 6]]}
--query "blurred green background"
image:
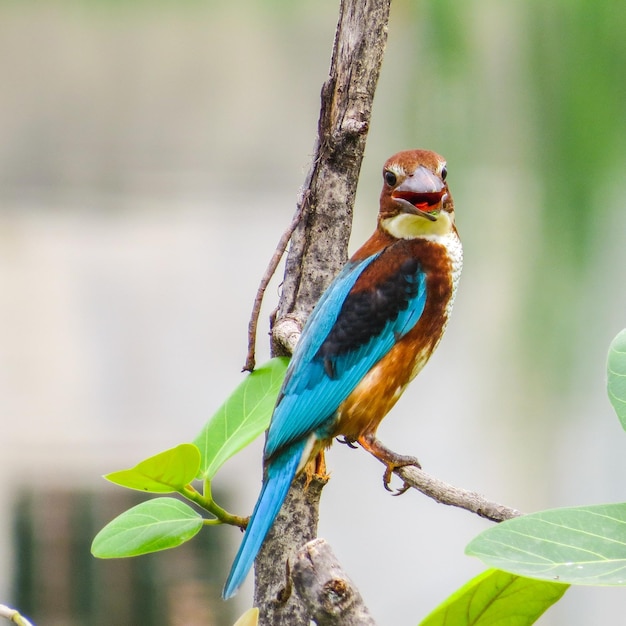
{"points": [[150, 157]]}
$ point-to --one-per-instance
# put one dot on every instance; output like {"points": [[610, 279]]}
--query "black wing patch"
{"points": [[365, 314]]}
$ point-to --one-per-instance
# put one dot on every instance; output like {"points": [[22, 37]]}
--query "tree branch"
{"points": [[454, 496], [296, 524], [318, 251], [320, 242], [327, 591]]}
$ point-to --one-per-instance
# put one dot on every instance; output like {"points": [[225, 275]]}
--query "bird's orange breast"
{"points": [[382, 386]]}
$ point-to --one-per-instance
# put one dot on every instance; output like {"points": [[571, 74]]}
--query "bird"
{"points": [[370, 334]]}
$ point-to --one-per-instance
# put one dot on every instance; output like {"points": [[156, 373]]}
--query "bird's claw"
{"points": [[387, 478], [405, 487], [347, 442], [391, 459], [400, 461]]}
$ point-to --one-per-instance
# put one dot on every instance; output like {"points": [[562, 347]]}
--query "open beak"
{"points": [[422, 193]]}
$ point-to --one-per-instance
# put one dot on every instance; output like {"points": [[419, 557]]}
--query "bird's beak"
{"points": [[421, 193]]}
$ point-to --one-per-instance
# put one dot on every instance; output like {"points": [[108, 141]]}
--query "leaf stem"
{"points": [[206, 502]]}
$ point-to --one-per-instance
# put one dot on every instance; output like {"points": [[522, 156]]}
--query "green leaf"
{"points": [[165, 472], [616, 376], [495, 598], [148, 527], [242, 418], [578, 545]]}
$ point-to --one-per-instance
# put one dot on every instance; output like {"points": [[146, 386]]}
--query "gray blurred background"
{"points": [[150, 158]]}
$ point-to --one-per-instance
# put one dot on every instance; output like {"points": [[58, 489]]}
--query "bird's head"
{"points": [[415, 200]]}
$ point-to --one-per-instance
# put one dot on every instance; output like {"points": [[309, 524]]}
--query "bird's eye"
{"points": [[444, 172], [390, 178]]}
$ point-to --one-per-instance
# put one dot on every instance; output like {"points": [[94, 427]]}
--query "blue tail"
{"points": [[280, 474]]}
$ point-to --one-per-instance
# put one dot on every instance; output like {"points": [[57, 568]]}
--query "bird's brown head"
{"points": [[415, 200]]}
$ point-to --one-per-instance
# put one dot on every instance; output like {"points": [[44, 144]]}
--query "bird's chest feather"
{"points": [[439, 263]]}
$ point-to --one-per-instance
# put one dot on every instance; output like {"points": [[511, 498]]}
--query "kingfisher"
{"points": [[370, 334]]}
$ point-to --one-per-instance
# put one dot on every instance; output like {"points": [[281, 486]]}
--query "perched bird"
{"points": [[370, 334]]}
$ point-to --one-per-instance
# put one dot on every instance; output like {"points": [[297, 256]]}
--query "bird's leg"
{"points": [[320, 464], [391, 459], [316, 468]]}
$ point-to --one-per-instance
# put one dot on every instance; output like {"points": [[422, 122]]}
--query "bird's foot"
{"points": [[391, 459], [347, 442], [316, 469]]}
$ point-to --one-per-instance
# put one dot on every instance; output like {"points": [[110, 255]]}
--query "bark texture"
{"points": [[317, 252], [328, 592], [455, 496], [319, 244]]}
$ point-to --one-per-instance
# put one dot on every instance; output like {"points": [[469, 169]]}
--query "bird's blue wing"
{"points": [[325, 313], [277, 481], [349, 331]]}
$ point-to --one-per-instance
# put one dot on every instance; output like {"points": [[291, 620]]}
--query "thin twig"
{"points": [[454, 496], [13, 616], [265, 280]]}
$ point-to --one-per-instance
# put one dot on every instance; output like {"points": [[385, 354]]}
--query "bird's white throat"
{"points": [[408, 226]]}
